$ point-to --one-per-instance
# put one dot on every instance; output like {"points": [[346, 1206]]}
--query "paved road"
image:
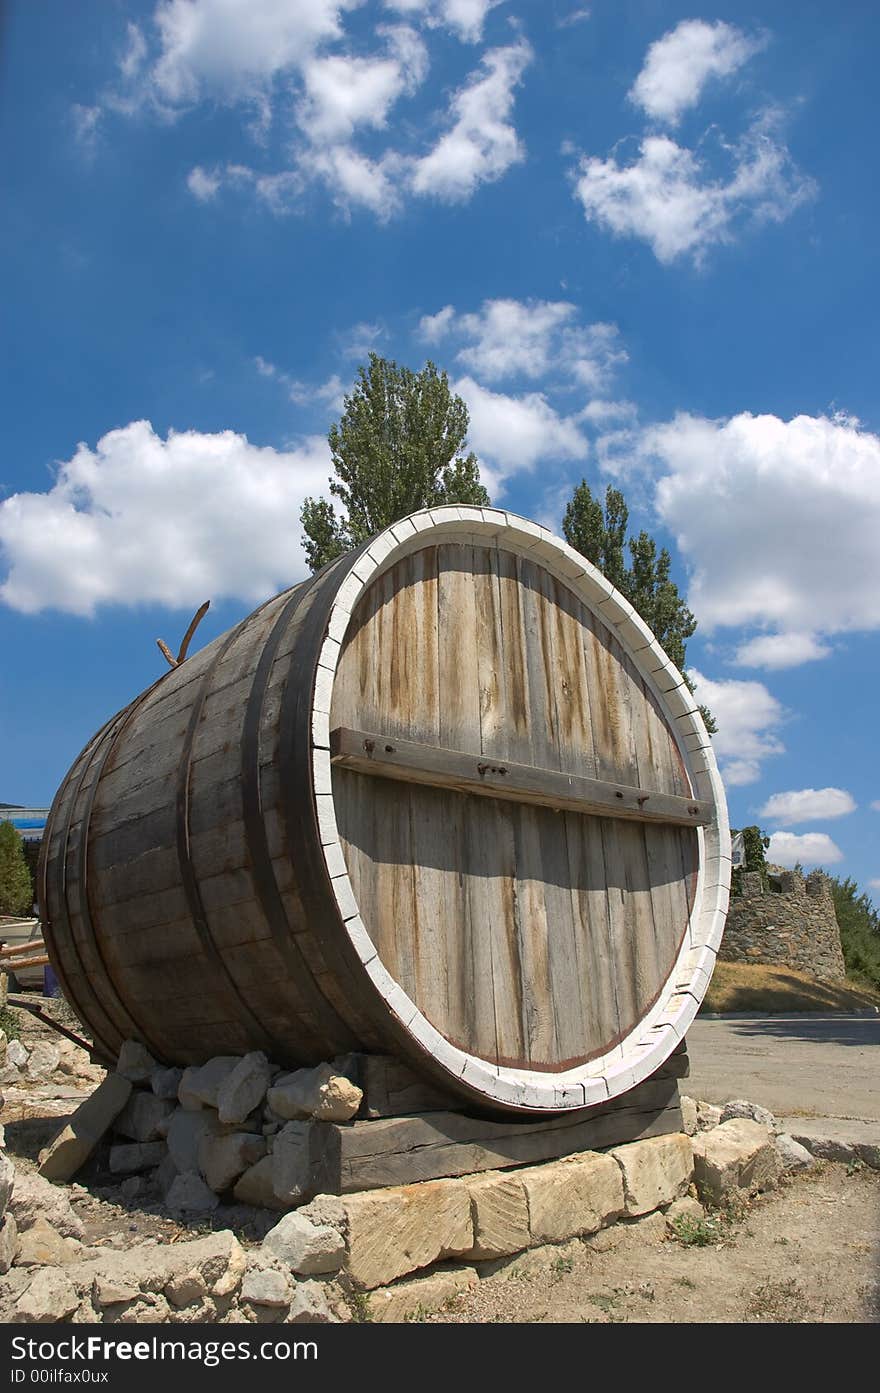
{"points": [[813, 1066]]}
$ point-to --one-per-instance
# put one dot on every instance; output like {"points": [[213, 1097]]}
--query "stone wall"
{"points": [[794, 924]]}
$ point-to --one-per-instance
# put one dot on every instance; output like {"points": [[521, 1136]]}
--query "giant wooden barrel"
{"points": [[447, 799]]}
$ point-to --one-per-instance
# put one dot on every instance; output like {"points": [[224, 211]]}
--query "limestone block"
{"points": [[266, 1287], [43, 1246], [735, 1155], [34, 1198], [684, 1208], [166, 1082], [500, 1214], [572, 1197], [188, 1194], [395, 1231], [43, 1060], [688, 1115], [142, 1117], [741, 1107], [255, 1187], [319, 1093], [310, 1305], [792, 1155], [291, 1162], [223, 1159], [655, 1171], [204, 1084], [244, 1088], [708, 1116], [50, 1296], [409, 1298], [186, 1289], [76, 1141], [186, 1131], [8, 1243], [306, 1248], [7, 1181], [131, 1157], [107, 1291], [135, 1062]]}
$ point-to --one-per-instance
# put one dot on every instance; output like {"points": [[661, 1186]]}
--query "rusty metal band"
{"points": [[189, 880], [55, 956], [330, 1033], [134, 1028]]}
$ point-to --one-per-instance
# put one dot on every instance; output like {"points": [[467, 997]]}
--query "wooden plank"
{"points": [[412, 762], [403, 1151]]}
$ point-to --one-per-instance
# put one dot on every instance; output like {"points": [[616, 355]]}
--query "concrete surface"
{"points": [[809, 1066]]}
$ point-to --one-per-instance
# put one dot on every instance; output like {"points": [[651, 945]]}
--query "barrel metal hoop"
{"points": [[46, 922], [262, 871], [133, 1029], [298, 788], [191, 888]]}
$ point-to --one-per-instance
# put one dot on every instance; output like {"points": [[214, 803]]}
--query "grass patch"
{"points": [[10, 1023], [699, 1233], [757, 987]]}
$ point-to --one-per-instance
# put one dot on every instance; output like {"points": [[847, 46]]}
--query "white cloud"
{"points": [[464, 17], [514, 433], [778, 520], [203, 184], [360, 339], [330, 393], [748, 716], [668, 198], [875, 883], [142, 520], [352, 178], [809, 848], [482, 142], [85, 125], [678, 66], [776, 651], [528, 338], [343, 93], [135, 53], [232, 51], [808, 805], [875, 806]]}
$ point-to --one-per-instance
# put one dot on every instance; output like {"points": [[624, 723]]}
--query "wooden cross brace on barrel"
{"points": [[412, 762]]}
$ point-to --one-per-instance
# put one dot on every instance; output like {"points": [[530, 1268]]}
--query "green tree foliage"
{"points": [[755, 844], [16, 889], [599, 533], [859, 922], [398, 447]]}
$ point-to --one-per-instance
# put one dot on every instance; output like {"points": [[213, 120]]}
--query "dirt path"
{"points": [[810, 1252]]}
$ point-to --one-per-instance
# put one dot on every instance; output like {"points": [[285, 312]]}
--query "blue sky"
{"points": [[640, 237]]}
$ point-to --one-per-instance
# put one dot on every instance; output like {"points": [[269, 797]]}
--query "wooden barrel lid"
{"points": [[519, 810]]}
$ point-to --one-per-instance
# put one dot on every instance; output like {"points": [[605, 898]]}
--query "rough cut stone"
{"points": [[108, 1292], [741, 1107], [500, 1214], [306, 1248], [8, 1243], [688, 1115], [188, 1194], [684, 1208], [572, 1197], [310, 1305], [7, 1181], [187, 1289], [166, 1082], [74, 1144], [291, 1162], [131, 1157], [43, 1059], [141, 1118], [204, 1083], [223, 1159], [793, 1156], [409, 1298], [708, 1116], [43, 1246], [266, 1287], [185, 1096], [34, 1198], [396, 1231], [244, 1088], [655, 1171], [185, 1133], [135, 1062], [50, 1296], [218, 1258], [319, 1093], [16, 1054], [736, 1155], [839, 1139], [255, 1187]]}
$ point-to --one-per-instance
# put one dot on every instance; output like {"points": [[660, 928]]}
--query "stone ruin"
{"points": [[791, 924]]}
